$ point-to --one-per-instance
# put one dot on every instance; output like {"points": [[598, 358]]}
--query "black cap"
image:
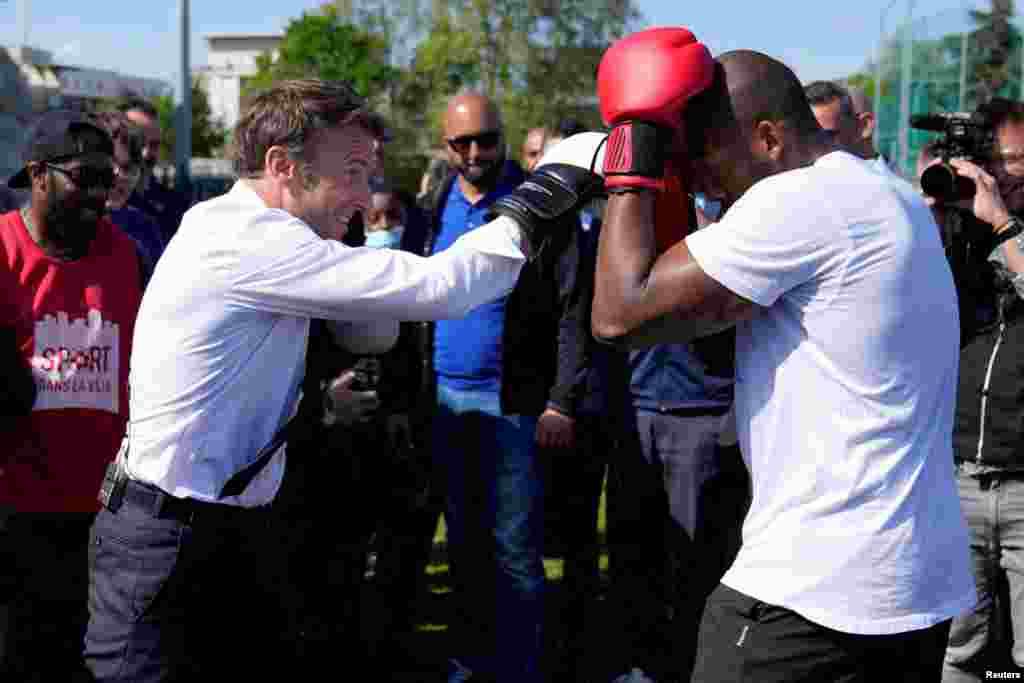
{"points": [[56, 135]]}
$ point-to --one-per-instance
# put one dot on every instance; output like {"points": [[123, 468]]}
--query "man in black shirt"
{"points": [[166, 205]]}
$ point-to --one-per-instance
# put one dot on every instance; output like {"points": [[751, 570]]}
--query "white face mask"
{"points": [[385, 239]]}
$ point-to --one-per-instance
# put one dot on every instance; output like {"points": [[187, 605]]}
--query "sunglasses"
{"points": [[87, 177], [485, 140]]}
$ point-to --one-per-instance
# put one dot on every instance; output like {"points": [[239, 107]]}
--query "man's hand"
{"points": [[345, 406], [988, 203], [555, 430]]}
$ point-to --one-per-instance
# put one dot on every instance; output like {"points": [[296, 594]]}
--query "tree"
{"points": [[208, 134], [537, 58], [991, 44], [321, 45]]}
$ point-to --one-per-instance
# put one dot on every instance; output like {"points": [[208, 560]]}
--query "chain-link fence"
{"points": [[946, 61]]}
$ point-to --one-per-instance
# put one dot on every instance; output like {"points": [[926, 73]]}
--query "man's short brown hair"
{"points": [[289, 113]]}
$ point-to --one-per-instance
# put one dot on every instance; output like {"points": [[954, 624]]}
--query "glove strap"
{"points": [[636, 156]]}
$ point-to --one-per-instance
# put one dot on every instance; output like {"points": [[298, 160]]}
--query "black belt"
{"points": [[161, 505]]}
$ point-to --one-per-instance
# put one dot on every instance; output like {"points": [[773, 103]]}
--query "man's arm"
{"points": [[325, 279], [989, 207], [556, 426], [642, 298]]}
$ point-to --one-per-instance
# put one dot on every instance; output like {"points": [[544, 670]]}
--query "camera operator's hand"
{"points": [[345, 406], [399, 431], [555, 430], [988, 203]]}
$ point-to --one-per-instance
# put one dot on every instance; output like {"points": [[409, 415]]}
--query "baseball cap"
{"points": [[56, 136]]}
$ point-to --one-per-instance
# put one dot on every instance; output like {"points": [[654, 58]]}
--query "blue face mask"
{"points": [[711, 208], [385, 239]]}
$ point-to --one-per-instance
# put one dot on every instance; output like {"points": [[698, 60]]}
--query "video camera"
{"points": [[965, 135]]}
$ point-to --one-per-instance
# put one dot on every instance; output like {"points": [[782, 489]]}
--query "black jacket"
{"points": [[989, 424], [543, 335]]}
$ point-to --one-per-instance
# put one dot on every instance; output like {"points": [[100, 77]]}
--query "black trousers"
{"points": [[743, 640], [181, 593]]}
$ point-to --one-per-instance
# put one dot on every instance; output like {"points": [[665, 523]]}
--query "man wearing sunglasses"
{"points": [[847, 114], [69, 290], [504, 377]]}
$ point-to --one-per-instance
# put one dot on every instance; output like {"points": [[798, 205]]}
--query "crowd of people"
{"points": [[794, 377]]}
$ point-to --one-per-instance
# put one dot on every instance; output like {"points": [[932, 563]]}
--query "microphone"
{"points": [[940, 122]]}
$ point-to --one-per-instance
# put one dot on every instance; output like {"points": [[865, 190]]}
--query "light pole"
{"points": [[183, 117], [905, 75], [23, 22], [878, 70]]}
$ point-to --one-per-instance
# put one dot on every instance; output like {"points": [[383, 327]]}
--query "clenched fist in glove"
{"points": [[564, 180], [570, 174], [643, 84]]}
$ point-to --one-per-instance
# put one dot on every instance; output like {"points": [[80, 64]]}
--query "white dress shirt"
{"points": [[220, 341]]}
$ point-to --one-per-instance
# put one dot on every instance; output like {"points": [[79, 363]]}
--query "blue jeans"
{"points": [[991, 636], [494, 516]]}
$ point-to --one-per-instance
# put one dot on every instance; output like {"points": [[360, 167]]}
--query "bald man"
{"points": [[504, 375], [855, 552], [533, 147]]}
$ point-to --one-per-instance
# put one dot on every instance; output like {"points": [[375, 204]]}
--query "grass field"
{"points": [[421, 655]]}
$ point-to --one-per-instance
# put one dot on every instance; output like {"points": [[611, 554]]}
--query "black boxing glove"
{"points": [[557, 189]]}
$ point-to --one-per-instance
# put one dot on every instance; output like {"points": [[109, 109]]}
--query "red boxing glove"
{"points": [[643, 84]]}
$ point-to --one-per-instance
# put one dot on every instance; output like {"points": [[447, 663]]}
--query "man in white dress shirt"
{"points": [[219, 354]]}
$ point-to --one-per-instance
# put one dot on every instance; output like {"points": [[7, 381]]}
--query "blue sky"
{"points": [[817, 38]]}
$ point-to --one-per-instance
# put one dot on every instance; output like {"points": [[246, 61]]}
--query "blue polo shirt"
{"points": [[468, 351]]}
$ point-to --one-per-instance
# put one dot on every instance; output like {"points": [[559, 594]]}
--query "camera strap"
{"points": [[238, 482]]}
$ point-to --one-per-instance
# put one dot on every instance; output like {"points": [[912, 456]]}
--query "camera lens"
{"points": [[942, 182]]}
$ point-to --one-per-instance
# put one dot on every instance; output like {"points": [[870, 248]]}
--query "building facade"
{"points": [[231, 60], [31, 83]]}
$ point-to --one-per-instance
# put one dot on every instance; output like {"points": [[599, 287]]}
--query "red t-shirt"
{"points": [[73, 323]]}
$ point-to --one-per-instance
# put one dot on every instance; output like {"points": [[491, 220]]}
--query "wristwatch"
{"points": [[1014, 228]]}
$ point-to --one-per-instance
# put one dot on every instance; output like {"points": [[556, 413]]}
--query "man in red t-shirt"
{"points": [[69, 294]]}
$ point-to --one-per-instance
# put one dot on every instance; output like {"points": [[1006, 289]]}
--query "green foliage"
{"points": [[991, 45], [537, 58], [208, 135], [321, 45]]}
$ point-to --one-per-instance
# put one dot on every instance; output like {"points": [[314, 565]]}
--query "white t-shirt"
{"points": [[220, 340], [845, 389]]}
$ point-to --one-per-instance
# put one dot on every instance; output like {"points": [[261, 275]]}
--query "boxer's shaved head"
{"points": [[751, 122], [764, 89]]}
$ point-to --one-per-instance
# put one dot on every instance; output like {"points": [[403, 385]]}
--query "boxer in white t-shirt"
{"points": [[855, 554]]}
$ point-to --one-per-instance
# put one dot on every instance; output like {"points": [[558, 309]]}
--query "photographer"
{"points": [[985, 252]]}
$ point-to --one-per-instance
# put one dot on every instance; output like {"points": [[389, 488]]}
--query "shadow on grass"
{"points": [[577, 641]]}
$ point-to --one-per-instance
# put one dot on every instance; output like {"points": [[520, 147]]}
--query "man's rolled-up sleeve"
{"points": [[302, 274]]}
